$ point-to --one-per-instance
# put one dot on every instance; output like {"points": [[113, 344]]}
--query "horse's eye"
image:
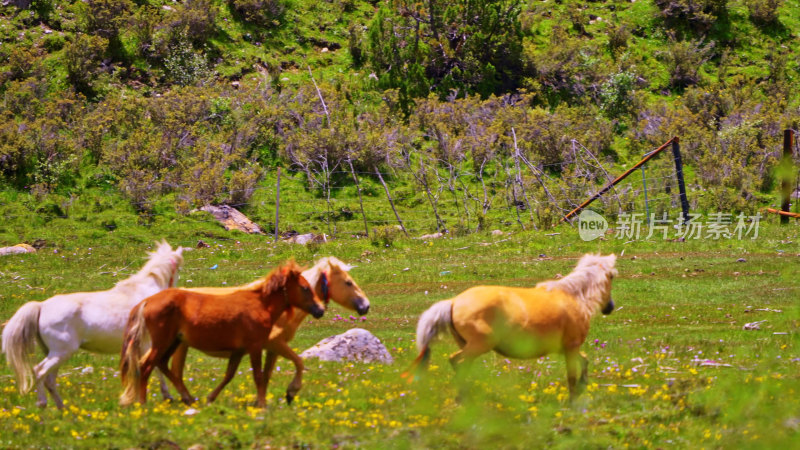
{"points": [[349, 283], [306, 288]]}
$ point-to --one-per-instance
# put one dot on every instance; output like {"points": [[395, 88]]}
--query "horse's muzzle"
{"points": [[362, 306], [317, 311], [608, 308]]}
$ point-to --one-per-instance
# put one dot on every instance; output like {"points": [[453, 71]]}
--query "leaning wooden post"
{"points": [[786, 181], [277, 202], [676, 154], [610, 185], [389, 196]]}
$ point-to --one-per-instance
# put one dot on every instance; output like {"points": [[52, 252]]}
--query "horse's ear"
{"points": [[612, 258]]}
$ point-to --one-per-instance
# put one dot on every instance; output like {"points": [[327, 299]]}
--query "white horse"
{"points": [[93, 321]]}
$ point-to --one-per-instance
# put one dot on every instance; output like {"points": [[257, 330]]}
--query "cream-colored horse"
{"points": [[93, 321], [525, 322], [330, 280]]}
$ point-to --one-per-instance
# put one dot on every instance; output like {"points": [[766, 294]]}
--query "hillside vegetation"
{"points": [[173, 105]]}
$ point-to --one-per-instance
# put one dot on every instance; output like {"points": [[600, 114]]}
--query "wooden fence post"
{"points": [[676, 154], [646, 205], [360, 200], [389, 196], [786, 180], [277, 202]]}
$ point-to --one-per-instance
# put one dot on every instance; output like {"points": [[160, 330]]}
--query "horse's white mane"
{"points": [[589, 282], [312, 274], [161, 265]]}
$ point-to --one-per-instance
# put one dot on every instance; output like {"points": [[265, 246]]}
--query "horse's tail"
{"points": [[130, 361], [431, 323], [19, 337]]}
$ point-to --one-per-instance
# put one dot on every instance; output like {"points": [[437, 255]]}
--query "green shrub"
{"points": [[106, 17], [696, 15], [194, 19], [764, 12], [684, 59], [54, 42], [616, 94], [82, 58], [20, 62], [618, 36], [183, 64], [242, 184], [43, 8], [355, 44], [385, 236], [265, 13], [144, 22]]}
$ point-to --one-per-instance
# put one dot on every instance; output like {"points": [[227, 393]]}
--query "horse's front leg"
{"points": [[269, 366], [233, 364], [281, 348], [258, 378], [584, 370], [576, 363]]}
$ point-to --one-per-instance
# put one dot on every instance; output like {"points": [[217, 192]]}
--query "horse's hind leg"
{"points": [[59, 348], [162, 383], [50, 384], [179, 360], [177, 381], [45, 373], [233, 364], [463, 358]]}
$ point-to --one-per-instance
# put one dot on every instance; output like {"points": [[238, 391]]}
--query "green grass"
{"points": [[679, 304]]}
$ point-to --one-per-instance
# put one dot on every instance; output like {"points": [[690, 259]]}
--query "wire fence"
{"points": [[510, 193]]}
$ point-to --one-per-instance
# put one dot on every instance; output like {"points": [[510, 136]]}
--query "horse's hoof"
{"points": [[289, 398]]}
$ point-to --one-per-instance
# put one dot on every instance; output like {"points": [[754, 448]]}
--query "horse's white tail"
{"points": [[431, 323], [19, 337], [131, 358]]}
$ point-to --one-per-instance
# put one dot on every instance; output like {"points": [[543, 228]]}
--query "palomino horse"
{"points": [[525, 323], [236, 323], [92, 321], [331, 281]]}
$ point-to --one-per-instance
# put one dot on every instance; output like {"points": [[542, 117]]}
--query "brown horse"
{"points": [[234, 324], [330, 280]]}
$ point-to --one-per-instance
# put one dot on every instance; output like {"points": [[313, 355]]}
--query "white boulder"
{"points": [[357, 344]]}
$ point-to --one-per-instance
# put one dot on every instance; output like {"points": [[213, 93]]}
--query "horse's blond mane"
{"points": [[312, 274], [161, 265], [588, 283]]}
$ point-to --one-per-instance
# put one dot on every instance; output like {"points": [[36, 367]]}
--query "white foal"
{"points": [[93, 321]]}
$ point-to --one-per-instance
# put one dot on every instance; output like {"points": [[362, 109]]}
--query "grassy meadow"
{"points": [[671, 367]]}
